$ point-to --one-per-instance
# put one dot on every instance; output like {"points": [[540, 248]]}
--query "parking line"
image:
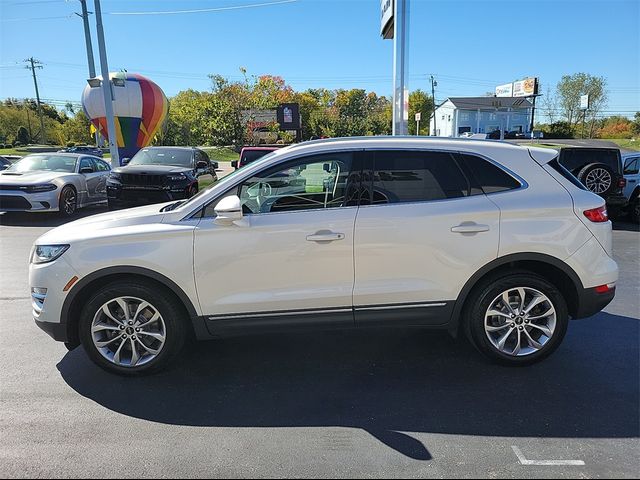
{"points": [[561, 463]]}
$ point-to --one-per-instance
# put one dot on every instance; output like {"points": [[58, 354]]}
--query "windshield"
{"points": [[249, 156], [162, 156], [48, 163]]}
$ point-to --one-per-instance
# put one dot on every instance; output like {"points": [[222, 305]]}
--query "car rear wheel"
{"points": [[518, 319], [68, 201], [598, 178], [132, 328]]}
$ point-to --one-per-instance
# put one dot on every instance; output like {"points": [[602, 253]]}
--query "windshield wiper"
{"points": [[172, 206]]}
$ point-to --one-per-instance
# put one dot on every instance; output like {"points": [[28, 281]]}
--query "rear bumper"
{"points": [[616, 201], [591, 302]]}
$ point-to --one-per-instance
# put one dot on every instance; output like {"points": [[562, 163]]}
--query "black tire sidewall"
{"points": [[582, 176], [173, 315], [481, 299], [61, 209]]}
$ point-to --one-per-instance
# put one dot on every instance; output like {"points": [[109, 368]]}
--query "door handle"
{"points": [[470, 228], [325, 236]]}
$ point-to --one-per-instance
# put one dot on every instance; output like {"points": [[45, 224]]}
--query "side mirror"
{"points": [[125, 161], [86, 170], [234, 164], [228, 210], [202, 164]]}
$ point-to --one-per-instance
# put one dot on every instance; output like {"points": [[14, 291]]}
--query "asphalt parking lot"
{"points": [[340, 404]]}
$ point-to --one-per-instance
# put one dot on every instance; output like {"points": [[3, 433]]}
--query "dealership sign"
{"points": [[584, 102], [386, 19], [522, 88]]}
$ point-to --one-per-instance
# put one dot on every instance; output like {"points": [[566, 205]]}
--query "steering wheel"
{"points": [[265, 190]]}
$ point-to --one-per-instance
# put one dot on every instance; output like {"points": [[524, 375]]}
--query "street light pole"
{"points": [[107, 89], [400, 67]]}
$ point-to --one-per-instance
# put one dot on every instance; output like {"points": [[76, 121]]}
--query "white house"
{"points": [[460, 115]]}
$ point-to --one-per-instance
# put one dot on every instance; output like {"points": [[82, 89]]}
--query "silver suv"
{"points": [[485, 239]]}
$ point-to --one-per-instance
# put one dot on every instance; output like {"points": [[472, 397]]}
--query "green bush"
{"points": [[558, 130]]}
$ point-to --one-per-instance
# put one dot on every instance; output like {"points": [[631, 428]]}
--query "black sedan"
{"points": [[156, 175]]}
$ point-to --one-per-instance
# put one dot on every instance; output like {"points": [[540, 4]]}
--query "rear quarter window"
{"points": [[486, 176]]}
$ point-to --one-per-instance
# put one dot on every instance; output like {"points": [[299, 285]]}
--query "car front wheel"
{"points": [[518, 319], [132, 328], [68, 201]]}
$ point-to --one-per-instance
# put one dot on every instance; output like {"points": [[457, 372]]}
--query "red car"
{"points": [[251, 154]]}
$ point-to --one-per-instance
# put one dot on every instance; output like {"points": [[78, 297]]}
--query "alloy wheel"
{"points": [[598, 180], [520, 321], [128, 331], [69, 201]]}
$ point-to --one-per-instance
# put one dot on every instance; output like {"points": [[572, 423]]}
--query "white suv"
{"points": [[492, 240]]}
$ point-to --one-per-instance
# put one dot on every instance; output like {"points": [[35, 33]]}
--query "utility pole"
{"points": [[87, 38], [434, 84], [107, 89], [32, 64]]}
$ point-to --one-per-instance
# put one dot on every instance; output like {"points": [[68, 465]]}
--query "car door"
{"points": [[91, 178], [631, 168], [422, 232], [290, 259], [103, 169]]}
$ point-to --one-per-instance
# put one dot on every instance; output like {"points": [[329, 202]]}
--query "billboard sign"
{"points": [[505, 90], [522, 88], [525, 88], [584, 102], [386, 19]]}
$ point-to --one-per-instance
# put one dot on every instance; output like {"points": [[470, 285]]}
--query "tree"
{"points": [[420, 102], [636, 123], [77, 130], [571, 88], [549, 104], [22, 136]]}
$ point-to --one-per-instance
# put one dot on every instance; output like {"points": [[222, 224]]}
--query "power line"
{"points": [[205, 10]]}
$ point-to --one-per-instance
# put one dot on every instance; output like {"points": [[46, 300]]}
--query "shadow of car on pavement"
{"points": [[387, 382], [46, 219]]}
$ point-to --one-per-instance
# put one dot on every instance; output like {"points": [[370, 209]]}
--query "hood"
{"points": [[29, 178], [152, 169], [96, 225]]}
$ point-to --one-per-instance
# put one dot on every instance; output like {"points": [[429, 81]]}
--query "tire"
{"points": [[68, 202], [634, 210], [486, 331], [598, 178], [157, 342]]}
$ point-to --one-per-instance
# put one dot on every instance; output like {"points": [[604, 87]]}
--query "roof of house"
{"points": [[490, 102]]}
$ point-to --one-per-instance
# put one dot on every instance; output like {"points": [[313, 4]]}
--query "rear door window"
{"points": [[401, 176], [487, 177]]}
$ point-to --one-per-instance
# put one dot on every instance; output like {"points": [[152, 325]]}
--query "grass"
{"points": [[626, 143], [221, 154]]}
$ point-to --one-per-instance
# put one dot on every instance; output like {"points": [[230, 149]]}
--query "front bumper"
{"points": [[130, 196], [47, 307], [16, 201]]}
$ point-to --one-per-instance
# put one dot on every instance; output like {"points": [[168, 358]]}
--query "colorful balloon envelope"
{"points": [[140, 108]]}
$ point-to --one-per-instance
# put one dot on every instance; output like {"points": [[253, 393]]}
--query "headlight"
{"points": [[44, 187], [176, 177], [47, 253], [115, 177]]}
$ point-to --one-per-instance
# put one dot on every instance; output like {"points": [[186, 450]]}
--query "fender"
{"points": [[130, 270], [540, 258]]}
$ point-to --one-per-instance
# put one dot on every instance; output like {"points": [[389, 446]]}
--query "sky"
{"points": [[469, 46]]}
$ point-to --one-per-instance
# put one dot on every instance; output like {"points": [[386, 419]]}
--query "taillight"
{"points": [[597, 214], [622, 182]]}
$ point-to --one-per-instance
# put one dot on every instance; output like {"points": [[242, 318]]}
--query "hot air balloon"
{"points": [[140, 108]]}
